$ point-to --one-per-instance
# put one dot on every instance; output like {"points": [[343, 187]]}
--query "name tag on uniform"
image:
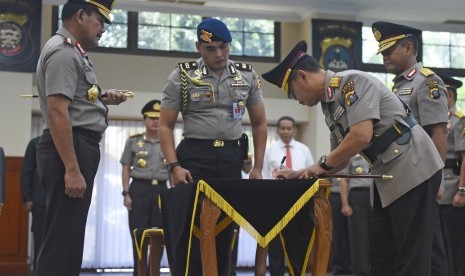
{"points": [[237, 110]]}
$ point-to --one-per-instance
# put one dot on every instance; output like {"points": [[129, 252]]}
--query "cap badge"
{"points": [[156, 106], [377, 34], [206, 36]]}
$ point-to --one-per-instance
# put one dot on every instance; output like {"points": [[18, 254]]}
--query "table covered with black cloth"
{"points": [[264, 208]]}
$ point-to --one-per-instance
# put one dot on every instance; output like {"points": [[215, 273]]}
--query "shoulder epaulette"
{"points": [[243, 66], [426, 72], [459, 114], [190, 65], [68, 42], [136, 135], [335, 82]]}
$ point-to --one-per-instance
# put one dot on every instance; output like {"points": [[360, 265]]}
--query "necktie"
{"points": [[288, 157]]}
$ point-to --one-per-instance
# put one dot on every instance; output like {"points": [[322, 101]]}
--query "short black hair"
{"points": [[287, 118], [306, 63], [72, 7]]}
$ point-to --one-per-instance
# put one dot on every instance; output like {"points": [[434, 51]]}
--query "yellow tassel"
{"points": [[239, 219]]}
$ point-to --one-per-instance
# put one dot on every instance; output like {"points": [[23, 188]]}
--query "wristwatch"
{"points": [[171, 166], [124, 193], [461, 190], [322, 163]]}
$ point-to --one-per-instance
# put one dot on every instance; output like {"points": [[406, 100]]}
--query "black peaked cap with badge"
{"points": [[151, 109], [388, 34], [103, 7], [212, 29], [279, 75], [450, 82]]}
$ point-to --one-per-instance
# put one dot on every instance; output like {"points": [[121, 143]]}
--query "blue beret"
{"points": [[387, 34], [279, 75], [212, 29]]}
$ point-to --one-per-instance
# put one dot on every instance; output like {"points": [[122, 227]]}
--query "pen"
{"points": [[282, 162]]}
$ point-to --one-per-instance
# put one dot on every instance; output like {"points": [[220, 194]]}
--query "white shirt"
{"points": [[300, 155]]}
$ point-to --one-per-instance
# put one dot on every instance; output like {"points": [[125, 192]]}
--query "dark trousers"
{"points": [[439, 265], [276, 257], [145, 211], [401, 234], [453, 225], [37, 228], [340, 245], [65, 219], [359, 199], [203, 160]]}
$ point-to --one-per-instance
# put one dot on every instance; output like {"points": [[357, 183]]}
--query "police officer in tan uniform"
{"points": [[212, 94], [75, 117], [365, 116], [142, 160], [452, 202], [426, 95]]}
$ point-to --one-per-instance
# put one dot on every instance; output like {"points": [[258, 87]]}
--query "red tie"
{"points": [[288, 157]]}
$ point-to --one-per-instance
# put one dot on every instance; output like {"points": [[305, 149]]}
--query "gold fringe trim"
{"points": [[194, 209], [144, 234], [239, 219]]}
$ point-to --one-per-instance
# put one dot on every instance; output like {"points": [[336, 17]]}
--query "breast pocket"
{"points": [[201, 94], [393, 151], [240, 93]]}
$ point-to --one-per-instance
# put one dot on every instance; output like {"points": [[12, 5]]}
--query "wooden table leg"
{"points": [[209, 214], [142, 263], [321, 215], [260, 260], [156, 250]]}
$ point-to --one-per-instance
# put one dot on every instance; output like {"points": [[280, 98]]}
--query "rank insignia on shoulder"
{"points": [[190, 65], [136, 135], [459, 114], [335, 82], [68, 42], [243, 66], [426, 72]]}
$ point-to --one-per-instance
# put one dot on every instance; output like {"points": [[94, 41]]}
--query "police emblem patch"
{"points": [[434, 92], [349, 93]]}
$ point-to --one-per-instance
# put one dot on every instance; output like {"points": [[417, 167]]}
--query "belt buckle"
{"points": [[218, 143], [154, 182]]}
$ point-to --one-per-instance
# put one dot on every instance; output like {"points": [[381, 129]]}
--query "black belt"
{"points": [[150, 181], [381, 143], [214, 143], [94, 135]]}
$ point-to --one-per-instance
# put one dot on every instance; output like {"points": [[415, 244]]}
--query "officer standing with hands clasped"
{"points": [[142, 160], [212, 94], [452, 202], [75, 117], [426, 95], [364, 116]]}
